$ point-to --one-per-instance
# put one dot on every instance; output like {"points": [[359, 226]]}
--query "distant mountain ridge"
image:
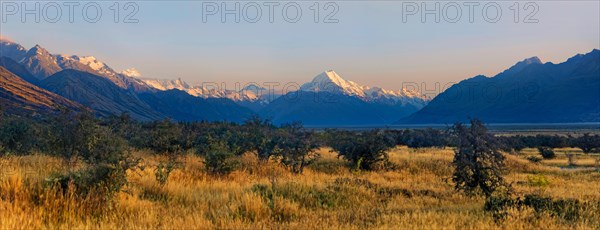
{"points": [[42, 64], [94, 84], [528, 92], [251, 96]]}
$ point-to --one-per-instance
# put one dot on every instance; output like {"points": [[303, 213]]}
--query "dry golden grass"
{"points": [[264, 195]]}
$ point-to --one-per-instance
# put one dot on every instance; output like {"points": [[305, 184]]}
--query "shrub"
{"points": [[588, 143], [17, 136], [538, 181], [165, 137], [512, 144], [79, 137], [296, 147], [260, 138], [567, 209], [534, 159], [478, 162], [498, 205], [219, 160], [365, 150], [547, 153], [163, 171], [424, 138]]}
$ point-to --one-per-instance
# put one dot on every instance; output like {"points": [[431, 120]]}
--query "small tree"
{"points": [[74, 136], [79, 137], [297, 147], [365, 150], [218, 160], [588, 143], [260, 138], [477, 161], [166, 138]]}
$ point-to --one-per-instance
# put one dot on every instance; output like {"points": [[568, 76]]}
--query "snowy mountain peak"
{"points": [[92, 62], [131, 72], [166, 84], [330, 81], [11, 49], [38, 50], [6, 41]]}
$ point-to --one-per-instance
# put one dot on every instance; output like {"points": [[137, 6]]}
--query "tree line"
{"points": [[104, 145]]}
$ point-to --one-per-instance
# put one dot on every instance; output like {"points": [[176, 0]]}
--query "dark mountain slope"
{"points": [[100, 94], [181, 106], [324, 108], [529, 92], [19, 70], [20, 97]]}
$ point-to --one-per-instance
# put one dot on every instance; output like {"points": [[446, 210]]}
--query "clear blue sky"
{"points": [[370, 44]]}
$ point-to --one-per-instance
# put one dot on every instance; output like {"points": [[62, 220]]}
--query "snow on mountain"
{"points": [[40, 62], [10, 49], [328, 81], [131, 72], [250, 93], [331, 82], [95, 64], [164, 84]]}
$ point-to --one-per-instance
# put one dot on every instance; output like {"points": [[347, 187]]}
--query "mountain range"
{"points": [[529, 91], [330, 100]]}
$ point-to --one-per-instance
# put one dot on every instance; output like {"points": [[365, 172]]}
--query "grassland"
{"points": [[327, 195]]}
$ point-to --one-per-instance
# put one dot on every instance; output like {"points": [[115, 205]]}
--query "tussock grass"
{"points": [[418, 194]]}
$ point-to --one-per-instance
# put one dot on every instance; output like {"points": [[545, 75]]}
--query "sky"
{"points": [[375, 43]]}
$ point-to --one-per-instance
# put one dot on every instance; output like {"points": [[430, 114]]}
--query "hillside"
{"points": [[528, 92], [100, 94], [17, 96]]}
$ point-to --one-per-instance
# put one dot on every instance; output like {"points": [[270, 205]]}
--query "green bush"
{"points": [[538, 181], [17, 136], [365, 150], [567, 209], [260, 138], [588, 143], [219, 160], [78, 138], [547, 153], [163, 171], [296, 147]]}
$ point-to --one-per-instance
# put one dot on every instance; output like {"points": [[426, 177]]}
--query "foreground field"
{"points": [[419, 194]]}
